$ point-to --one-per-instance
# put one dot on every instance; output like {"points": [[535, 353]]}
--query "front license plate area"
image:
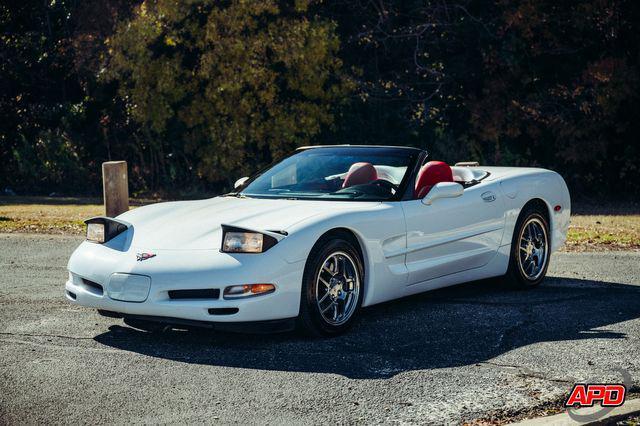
{"points": [[128, 287]]}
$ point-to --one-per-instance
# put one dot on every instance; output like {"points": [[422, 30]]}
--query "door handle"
{"points": [[488, 196]]}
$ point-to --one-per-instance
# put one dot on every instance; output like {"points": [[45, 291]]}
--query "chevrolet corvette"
{"points": [[317, 236]]}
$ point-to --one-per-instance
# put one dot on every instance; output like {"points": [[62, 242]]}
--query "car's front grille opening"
{"points": [[92, 287], [223, 311], [205, 293], [71, 295]]}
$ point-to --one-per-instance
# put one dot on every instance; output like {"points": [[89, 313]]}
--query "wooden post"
{"points": [[115, 187]]}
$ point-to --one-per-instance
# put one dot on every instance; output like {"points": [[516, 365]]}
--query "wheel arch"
{"points": [[545, 189], [540, 203], [357, 240]]}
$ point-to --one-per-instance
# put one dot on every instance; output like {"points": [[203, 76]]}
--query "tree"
{"points": [[415, 61], [508, 82], [561, 89], [50, 101], [226, 87]]}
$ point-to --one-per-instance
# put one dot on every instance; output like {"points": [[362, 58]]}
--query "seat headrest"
{"points": [[359, 174], [431, 173]]}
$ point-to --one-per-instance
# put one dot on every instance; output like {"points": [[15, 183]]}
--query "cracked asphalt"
{"points": [[469, 352]]}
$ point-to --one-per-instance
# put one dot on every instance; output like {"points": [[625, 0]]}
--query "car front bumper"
{"points": [[113, 280]]}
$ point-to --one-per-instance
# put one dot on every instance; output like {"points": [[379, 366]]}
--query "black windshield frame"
{"points": [[414, 155]]}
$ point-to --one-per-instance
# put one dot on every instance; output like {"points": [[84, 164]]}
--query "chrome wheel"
{"points": [[533, 249], [337, 288]]}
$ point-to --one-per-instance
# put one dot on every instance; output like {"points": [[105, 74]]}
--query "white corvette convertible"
{"points": [[319, 235]]}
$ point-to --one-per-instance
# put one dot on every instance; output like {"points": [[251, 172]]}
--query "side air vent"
{"points": [[92, 287], [223, 311], [206, 293]]}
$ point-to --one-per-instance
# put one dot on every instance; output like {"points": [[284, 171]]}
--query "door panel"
{"points": [[453, 234]]}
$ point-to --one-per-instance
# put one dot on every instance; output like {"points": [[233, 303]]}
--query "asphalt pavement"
{"points": [[474, 351]]}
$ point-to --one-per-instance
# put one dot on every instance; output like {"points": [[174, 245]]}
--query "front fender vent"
{"points": [[205, 293], [92, 287], [223, 311]]}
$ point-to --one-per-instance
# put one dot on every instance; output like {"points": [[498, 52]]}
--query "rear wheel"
{"points": [[332, 287], [530, 249]]}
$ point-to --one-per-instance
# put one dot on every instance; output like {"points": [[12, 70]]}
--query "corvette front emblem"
{"points": [[144, 256]]}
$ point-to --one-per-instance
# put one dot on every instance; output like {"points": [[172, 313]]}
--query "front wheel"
{"points": [[332, 287], [530, 249]]}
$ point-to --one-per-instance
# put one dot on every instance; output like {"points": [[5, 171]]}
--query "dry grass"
{"points": [[45, 216], [601, 227], [604, 232]]}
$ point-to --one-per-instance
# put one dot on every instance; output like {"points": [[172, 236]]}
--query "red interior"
{"points": [[431, 173], [359, 174]]}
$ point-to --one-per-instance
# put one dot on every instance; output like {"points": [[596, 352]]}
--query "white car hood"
{"points": [[196, 225]]}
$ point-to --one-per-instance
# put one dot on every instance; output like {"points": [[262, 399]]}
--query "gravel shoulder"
{"points": [[475, 351]]}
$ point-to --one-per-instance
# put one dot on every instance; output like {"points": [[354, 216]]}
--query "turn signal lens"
{"points": [[262, 288], [95, 232], [236, 291]]}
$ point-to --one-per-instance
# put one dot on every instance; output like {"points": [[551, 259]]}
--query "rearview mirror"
{"points": [[443, 190], [240, 182]]}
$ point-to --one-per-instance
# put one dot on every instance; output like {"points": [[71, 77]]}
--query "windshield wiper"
{"points": [[346, 193], [234, 194]]}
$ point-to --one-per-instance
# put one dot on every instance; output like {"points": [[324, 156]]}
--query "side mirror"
{"points": [[240, 182], [443, 190]]}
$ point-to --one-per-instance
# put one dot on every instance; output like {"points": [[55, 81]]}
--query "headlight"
{"points": [[242, 242], [236, 240], [102, 229], [95, 232]]}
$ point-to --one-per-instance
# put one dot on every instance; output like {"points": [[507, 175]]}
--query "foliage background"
{"points": [[194, 94]]}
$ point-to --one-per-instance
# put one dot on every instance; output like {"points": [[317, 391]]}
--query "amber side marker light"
{"points": [[246, 290]]}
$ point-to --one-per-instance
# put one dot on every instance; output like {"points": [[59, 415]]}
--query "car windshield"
{"points": [[336, 173]]}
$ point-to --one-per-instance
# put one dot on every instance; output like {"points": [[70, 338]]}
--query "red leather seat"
{"points": [[431, 173], [359, 174]]}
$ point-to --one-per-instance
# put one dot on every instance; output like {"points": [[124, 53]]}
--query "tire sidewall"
{"points": [[310, 315]]}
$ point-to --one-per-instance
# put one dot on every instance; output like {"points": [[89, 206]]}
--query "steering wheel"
{"points": [[385, 184]]}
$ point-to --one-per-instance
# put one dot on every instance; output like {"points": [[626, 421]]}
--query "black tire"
{"points": [[518, 275], [311, 320]]}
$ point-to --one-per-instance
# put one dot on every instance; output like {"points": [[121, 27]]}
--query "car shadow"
{"points": [[458, 326]]}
